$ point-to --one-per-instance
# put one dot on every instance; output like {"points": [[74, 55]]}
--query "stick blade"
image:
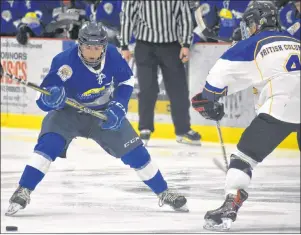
{"points": [[220, 165]]}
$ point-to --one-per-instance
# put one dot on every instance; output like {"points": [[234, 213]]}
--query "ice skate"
{"points": [[191, 138], [221, 219], [174, 200], [18, 201]]}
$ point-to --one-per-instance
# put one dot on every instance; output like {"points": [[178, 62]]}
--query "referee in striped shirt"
{"points": [[163, 33]]}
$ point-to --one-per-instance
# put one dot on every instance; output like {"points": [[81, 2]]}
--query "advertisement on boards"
{"points": [[31, 63]]}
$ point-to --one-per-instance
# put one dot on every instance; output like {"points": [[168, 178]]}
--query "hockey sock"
{"points": [[49, 146], [34, 171], [238, 176], [147, 170]]}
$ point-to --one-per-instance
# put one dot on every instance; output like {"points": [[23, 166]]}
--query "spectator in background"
{"points": [[45, 18], [221, 19], [290, 16], [60, 19], [33, 16], [107, 12], [9, 15], [163, 32]]}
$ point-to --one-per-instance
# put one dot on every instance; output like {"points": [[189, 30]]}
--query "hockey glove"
{"points": [[115, 114], [211, 110], [56, 100], [236, 36], [24, 32]]}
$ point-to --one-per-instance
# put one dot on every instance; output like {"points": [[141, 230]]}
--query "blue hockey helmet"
{"points": [[260, 16], [92, 34]]}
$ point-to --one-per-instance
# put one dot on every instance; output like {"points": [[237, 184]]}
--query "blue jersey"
{"points": [[107, 12], [9, 15], [230, 13], [294, 29], [35, 14], [85, 85], [290, 20]]}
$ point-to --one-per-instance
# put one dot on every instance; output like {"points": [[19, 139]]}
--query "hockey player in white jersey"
{"points": [[265, 58]]}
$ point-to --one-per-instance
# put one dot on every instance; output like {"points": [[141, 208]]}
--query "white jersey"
{"points": [[268, 61]]}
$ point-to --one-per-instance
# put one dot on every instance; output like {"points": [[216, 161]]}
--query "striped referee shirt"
{"points": [[162, 21]]}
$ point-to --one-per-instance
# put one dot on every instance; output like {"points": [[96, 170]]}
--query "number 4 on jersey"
{"points": [[293, 63]]}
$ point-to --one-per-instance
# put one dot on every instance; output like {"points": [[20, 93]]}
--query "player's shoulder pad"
{"points": [[113, 53], [241, 51], [67, 55], [247, 50], [112, 50]]}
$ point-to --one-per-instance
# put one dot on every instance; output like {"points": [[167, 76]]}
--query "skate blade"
{"points": [[213, 226], [182, 209], [189, 142], [145, 142], [13, 209]]}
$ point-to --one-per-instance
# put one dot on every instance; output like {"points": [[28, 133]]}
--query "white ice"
{"points": [[93, 192]]}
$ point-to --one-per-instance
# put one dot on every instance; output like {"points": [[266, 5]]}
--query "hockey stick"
{"points": [[203, 28], [68, 101], [217, 163]]}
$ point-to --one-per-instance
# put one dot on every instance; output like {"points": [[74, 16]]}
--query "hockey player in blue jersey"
{"points": [[37, 16], [33, 16], [107, 12], [290, 16], [9, 16], [268, 59], [94, 74], [217, 19]]}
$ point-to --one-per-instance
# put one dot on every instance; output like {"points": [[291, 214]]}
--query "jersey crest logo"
{"points": [[6, 15], [108, 8], [65, 72], [100, 78]]}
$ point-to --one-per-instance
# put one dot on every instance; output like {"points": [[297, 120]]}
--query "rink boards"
{"points": [[163, 130], [18, 108]]}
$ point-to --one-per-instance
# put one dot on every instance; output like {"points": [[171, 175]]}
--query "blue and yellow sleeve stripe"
{"points": [[213, 93]]}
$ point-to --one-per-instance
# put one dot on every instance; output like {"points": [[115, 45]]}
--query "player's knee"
{"points": [[50, 145], [140, 160], [247, 158], [136, 158], [239, 175], [237, 163]]}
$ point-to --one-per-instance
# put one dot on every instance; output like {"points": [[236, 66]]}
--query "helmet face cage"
{"points": [[92, 34], [245, 31]]}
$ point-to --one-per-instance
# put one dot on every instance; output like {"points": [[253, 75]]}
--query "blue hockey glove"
{"points": [[57, 98], [115, 114]]}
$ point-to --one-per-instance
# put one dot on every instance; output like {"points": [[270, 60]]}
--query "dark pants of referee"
{"points": [[166, 55]]}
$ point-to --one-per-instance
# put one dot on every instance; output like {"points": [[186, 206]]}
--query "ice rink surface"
{"points": [[92, 192]]}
